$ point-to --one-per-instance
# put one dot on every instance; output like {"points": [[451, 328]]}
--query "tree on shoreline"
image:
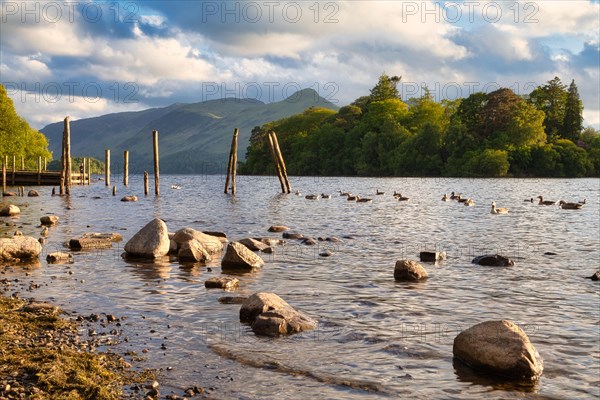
{"points": [[17, 138]]}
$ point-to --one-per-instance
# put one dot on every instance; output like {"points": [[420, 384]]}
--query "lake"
{"points": [[377, 338]]}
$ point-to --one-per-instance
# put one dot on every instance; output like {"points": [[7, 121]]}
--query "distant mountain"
{"points": [[193, 138]]}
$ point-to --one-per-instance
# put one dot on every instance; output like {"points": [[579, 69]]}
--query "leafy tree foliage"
{"points": [[493, 134], [17, 138]]}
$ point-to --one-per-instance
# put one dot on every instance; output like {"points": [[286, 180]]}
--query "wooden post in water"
{"points": [[89, 168], [281, 163], [126, 168], [3, 177], [231, 165], [114, 190], [14, 169], [156, 170], [145, 183], [82, 178], [67, 156], [40, 171], [107, 167], [276, 161]]}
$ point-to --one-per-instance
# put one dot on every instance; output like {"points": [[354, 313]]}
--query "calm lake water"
{"points": [[376, 338]]}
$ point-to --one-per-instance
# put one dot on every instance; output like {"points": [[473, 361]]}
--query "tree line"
{"points": [[484, 135], [17, 138]]}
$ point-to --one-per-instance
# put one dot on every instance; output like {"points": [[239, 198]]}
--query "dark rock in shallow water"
{"points": [[278, 228], [432, 256], [549, 253], [493, 260], [292, 235], [595, 277], [222, 282], [238, 256], [232, 299]]}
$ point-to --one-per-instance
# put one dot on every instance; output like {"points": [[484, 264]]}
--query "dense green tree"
{"points": [[574, 162], [590, 141], [425, 110], [17, 138], [551, 99], [420, 155], [386, 88], [573, 120]]}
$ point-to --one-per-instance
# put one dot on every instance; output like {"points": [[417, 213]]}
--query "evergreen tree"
{"points": [[573, 121], [551, 99], [386, 88]]}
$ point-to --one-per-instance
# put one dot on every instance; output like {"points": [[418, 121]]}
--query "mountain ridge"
{"points": [[193, 137]]}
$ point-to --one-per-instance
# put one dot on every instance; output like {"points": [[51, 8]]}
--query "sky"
{"points": [[88, 58]]}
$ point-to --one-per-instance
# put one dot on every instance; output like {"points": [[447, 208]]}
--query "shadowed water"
{"points": [[376, 338]]}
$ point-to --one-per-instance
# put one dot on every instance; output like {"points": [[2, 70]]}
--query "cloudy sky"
{"points": [[87, 58]]}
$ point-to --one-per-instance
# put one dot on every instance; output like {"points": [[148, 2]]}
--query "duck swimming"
{"points": [[570, 206], [361, 200], [498, 210], [445, 197], [469, 203], [545, 202]]}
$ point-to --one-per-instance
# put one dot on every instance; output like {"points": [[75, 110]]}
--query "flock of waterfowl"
{"points": [[469, 202]]}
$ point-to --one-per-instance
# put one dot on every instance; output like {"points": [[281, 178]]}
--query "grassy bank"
{"points": [[42, 356]]}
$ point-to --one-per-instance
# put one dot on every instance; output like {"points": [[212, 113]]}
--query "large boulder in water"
{"points": [[152, 241], [270, 315], [211, 244], [500, 347], [409, 270], [238, 256], [19, 248], [193, 251]]}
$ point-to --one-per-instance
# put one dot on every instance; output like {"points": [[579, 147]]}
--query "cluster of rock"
{"points": [[19, 248]]}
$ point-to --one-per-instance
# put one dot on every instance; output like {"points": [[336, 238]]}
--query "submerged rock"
{"points": [[238, 256], [33, 193], [270, 315], [278, 228], [129, 198], [493, 260], [432, 256], [152, 241], [49, 220], [10, 210], [58, 257], [500, 347], [409, 270], [222, 282], [292, 235], [19, 248]]}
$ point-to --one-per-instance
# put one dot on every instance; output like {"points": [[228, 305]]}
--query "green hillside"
{"points": [[193, 138]]}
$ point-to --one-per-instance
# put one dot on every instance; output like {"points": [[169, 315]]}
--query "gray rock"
{"points": [[326, 253], [408, 270], [432, 256], [58, 257], [129, 198], [10, 210], [222, 282], [219, 235], [270, 315], [33, 193], [292, 235], [309, 241], [493, 260], [19, 248], [49, 220], [500, 347], [238, 256], [278, 228], [152, 241], [211, 244], [192, 251], [253, 244]]}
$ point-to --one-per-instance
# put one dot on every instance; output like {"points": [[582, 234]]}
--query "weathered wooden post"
{"points": [[89, 175], [40, 171], [146, 183], [107, 167], [126, 168], [3, 177], [231, 164], [276, 161], [281, 163], [14, 169], [114, 190], [67, 156], [156, 170]]}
